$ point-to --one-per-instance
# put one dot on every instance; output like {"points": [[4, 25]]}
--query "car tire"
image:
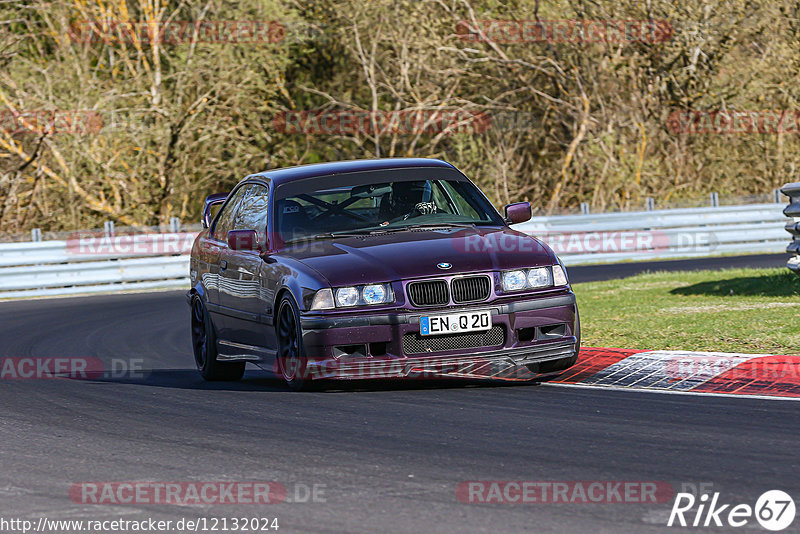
{"points": [[204, 345], [291, 353]]}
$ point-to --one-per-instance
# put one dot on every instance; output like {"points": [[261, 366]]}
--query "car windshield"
{"points": [[382, 207]]}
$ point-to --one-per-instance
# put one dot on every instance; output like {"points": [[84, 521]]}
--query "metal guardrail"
{"points": [[96, 262], [793, 227], [662, 234], [92, 263]]}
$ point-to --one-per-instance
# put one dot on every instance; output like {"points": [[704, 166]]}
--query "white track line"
{"points": [[675, 392]]}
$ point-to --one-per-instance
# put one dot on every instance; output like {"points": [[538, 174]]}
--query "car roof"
{"points": [[289, 174]]}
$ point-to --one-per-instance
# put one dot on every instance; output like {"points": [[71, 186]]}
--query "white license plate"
{"points": [[472, 321]]}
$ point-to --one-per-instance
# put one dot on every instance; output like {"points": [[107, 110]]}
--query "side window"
{"points": [[225, 220], [253, 213]]}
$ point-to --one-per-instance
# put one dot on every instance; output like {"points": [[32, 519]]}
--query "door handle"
{"points": [[223, 265]]}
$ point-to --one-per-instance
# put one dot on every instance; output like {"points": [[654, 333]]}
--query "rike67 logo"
{"points": [[774, 510]]}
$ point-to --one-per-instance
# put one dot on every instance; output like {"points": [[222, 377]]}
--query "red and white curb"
{"points": [[716, 373]]}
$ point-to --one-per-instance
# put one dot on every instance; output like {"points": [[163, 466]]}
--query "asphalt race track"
{"points": [[384, 456]]}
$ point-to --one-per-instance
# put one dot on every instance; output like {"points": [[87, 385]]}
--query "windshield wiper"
{"points": [[379, 231], [327, 235], [423, 225]]}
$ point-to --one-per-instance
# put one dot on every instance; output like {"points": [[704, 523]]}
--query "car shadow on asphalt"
{"points": [[262, 381]]}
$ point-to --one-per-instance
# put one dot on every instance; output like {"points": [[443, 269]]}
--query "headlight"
{"points": [[539, 277], [513, 280], [534, 278], [559, 276], [374, 294], [346, 296]]}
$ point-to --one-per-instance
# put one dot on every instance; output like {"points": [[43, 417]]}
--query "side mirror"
{"points": [[211, 200], [243, 240], [518, 212]]}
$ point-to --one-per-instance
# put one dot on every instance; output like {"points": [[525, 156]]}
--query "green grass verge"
{"points": [[736, 310]]}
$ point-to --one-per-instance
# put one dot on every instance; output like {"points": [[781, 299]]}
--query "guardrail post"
{"points": [[36, 235], [109, 227], [778, 196], [714, 200], [585, 208], [650, 203], [175, 225], [792, 191]]}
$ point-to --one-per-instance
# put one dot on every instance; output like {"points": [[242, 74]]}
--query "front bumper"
{"points": [[375, 345], [499, 365]]}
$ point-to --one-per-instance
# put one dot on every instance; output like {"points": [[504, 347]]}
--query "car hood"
{"points": [[417, 254]]}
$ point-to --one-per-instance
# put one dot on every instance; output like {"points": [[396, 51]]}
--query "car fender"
{"points": [[294, 287], [300, 280]]}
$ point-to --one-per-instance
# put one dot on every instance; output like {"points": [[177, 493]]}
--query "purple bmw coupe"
{"points": [[388, 268]]}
